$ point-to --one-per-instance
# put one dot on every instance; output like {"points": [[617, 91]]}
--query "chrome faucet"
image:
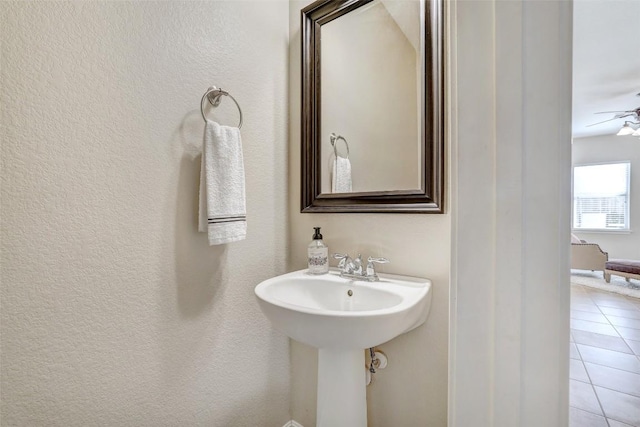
{"points": [[352, 268]]}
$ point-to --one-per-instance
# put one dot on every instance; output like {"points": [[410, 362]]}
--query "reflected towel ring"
{"points": [[214, 94], [335, 138]]}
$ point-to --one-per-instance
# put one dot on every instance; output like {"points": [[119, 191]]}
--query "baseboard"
{"points": [[292, 423]]}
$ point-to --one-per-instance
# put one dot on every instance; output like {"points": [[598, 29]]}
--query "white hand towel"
{"points": [[341, 175], [223, 213]]}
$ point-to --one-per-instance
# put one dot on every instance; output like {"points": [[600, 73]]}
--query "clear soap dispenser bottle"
{"points": [[318, 254]]}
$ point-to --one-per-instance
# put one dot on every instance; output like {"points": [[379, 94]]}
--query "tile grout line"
{"points": [[611, 389], [606, 348], [614, 327], [610, 324], [604, 414], [602, 313], [624, 340], [584, 363], [600, 333], [585, 366], [622, 326], [587, 411], [607, 366]]}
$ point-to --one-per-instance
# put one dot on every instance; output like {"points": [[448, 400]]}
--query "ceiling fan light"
{"points": [[625, 130]]}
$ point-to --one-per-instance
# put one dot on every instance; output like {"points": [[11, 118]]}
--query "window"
{"points": [[601, 196]]}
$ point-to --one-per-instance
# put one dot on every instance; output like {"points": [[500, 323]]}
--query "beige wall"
{"points": [[510, 201], [370, 97], [412, 390], [114, 309], [612, 148]]}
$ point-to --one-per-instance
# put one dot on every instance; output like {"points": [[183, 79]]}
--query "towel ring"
{"points": [[335, 138], [214, 95]]}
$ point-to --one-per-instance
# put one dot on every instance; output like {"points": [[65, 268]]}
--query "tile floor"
{"points": [[605, 359]]}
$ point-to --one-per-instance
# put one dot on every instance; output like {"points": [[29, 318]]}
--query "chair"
{"points": [[588, 256]]}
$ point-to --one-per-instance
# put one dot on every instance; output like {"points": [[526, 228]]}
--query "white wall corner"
{"points": [[511, 214]]}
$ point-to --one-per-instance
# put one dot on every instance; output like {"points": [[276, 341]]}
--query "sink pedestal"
{"points": [[342, 394]]}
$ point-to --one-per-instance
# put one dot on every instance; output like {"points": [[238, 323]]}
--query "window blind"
{"points": [[601, 196]]}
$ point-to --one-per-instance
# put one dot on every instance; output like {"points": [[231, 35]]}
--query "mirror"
{"points": [[372, 118]]}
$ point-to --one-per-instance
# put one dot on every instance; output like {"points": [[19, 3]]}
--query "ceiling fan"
{"points": [[633, 114]]}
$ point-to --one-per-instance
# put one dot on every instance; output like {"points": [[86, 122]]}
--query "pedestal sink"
{"points": [[342, 317]]}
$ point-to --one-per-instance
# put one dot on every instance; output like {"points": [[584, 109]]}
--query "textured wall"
{"points": [[412, 390], [114, 309], [612, 148]]}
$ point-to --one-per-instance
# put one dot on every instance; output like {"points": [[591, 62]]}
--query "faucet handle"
{"points": [[371, 271], [343, 259]]}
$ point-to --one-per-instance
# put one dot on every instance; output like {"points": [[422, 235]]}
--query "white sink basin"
{"points": [[318, 310], [342, 317]]}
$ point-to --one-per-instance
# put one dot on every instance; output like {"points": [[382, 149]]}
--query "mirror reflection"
{"points": [[371, 68], [372, 131]]}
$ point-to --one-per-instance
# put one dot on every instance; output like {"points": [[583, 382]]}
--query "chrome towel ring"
{"points": [[214, 95], [335, 138]]}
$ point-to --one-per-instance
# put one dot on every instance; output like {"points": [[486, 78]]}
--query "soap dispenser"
{"points": [[318, 254]]}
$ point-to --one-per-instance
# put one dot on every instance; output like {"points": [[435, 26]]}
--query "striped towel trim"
{"points": [[221, 219]]}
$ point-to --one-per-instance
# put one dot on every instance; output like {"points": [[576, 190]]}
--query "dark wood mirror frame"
{"points": [[430, 197]]}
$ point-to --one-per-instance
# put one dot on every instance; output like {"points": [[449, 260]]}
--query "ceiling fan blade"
{"points": [[626, 114], [611, 112], [604, 121], [621, 114]]}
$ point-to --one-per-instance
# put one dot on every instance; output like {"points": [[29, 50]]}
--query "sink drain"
{"points": [[350, 292]]}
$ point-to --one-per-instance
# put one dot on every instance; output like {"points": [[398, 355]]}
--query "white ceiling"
{"points": [[606, 63]]}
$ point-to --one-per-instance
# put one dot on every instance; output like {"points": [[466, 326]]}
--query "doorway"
{"points": [[604, 355]]}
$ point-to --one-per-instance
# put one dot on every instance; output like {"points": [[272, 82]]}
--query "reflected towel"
{"points": [[222, 213], [341, 175]]}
